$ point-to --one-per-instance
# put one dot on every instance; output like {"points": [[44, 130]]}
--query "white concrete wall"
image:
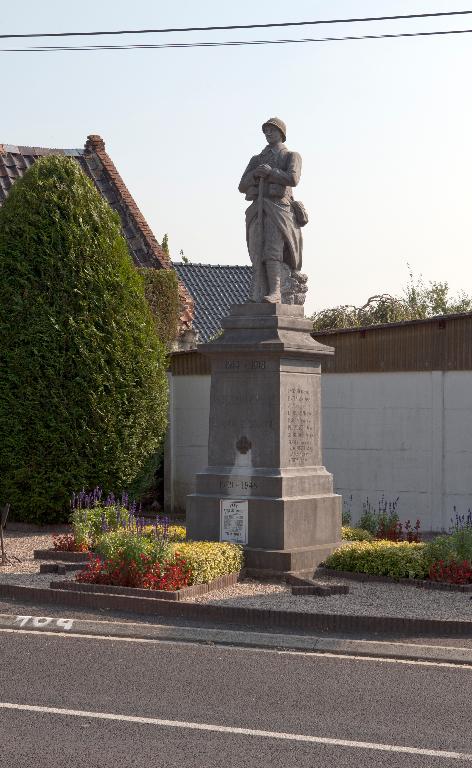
{"points": [[187, 441], [457, 431], [391, 434], [401, 434]]}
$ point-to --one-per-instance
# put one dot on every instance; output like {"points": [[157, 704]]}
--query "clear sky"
{"points": [[384, 128]]}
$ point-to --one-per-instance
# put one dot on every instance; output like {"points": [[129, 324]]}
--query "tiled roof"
{"points": [[97, 164], [214, 288]]}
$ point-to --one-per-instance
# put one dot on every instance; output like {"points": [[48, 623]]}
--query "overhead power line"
{"points": [[166, 30], [151, 46]]}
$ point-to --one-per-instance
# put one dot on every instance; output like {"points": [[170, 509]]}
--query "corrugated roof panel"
{"points": [[437, 344]]}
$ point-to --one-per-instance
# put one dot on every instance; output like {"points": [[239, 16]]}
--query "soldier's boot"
{"points": [[273, 279]]}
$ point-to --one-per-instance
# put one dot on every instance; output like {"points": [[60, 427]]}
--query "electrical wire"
{"points": [[397, 17], [153, 46]]}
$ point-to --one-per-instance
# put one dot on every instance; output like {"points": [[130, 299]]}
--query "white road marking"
{"points": [[299, 737], [243, 649], [382, 659], [43, 621]]}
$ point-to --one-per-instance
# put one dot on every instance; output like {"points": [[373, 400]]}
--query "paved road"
{"points": [[63, 685], [14, 608]]}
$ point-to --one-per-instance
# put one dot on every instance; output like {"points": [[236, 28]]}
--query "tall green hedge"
{"points": [[161, 288], [83, 390]]}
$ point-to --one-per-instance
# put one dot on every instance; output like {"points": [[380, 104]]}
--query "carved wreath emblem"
{"points": [[243, 445]]}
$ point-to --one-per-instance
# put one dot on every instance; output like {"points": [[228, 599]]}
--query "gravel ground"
{"points": [[19, 546], [368, 599], [21, 567]]}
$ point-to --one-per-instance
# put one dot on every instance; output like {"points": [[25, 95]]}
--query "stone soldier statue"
{"points": [[273, 219]]}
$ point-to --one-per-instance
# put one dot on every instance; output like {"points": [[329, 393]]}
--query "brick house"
{"points": [[96, 163]]}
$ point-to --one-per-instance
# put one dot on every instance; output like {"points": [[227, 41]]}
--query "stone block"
{"points": [[265, 440]]}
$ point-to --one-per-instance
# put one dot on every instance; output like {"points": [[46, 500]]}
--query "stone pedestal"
{"points": [[264, 447]]}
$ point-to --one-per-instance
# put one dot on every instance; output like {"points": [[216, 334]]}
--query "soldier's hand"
{"points": [[262, 170]]}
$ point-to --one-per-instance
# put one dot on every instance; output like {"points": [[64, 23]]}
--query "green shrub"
{"points": [[210, 559], [173, 533], [462, 540], [381, 520], [83, 391], [382, 558], [355, 534], [456, 546], [87, 524], [161, 288], [128, 546]]}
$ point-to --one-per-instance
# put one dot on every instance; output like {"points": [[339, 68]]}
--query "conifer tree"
{"points": [[83, 390]]}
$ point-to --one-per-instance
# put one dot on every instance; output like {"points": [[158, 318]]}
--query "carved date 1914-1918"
{"points": [[245, 365]]}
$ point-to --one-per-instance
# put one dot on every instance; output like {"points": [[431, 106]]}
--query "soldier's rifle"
{"points": [[260, 223]]}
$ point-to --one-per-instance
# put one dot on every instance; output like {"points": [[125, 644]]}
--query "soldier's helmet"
{"points": [[278, 124]]}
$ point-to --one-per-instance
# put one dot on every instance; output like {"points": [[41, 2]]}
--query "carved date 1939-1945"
{"points": [[237, 484]]}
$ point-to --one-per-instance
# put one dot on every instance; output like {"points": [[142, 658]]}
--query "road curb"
{"points": [[255, 617], [256, 640]]}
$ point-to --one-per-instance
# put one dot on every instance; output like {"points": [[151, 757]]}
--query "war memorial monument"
{"points": [[265, 486]]}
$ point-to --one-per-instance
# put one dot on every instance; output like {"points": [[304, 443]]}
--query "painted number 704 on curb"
{"points": [[43, 621]]}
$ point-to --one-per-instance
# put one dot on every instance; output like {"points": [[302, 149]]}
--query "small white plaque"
{"points": [[233, 521]]}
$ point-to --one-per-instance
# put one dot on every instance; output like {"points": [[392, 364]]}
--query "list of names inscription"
{"points": [[300, 428]]}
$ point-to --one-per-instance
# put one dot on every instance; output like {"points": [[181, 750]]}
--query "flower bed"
{"points": [[93, 515], [184, 593], [381, 558], [130, 552], [125, 550], [125, 558], [67, 543], [381, 522], [446, 559], [208, 560]]}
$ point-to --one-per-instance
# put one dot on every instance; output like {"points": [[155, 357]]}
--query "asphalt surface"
{"points": [[410, 705]]}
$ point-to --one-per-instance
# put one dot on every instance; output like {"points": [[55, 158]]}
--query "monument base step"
{"points": [[265, 563], [274, 525]]}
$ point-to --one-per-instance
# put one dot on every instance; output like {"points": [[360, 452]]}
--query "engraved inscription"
{"points": [[233, 521], [300, 430], [237, 484], [245, 365]]}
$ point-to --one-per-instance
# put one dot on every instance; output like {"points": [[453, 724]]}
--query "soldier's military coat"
{"points": [[285, 174]]}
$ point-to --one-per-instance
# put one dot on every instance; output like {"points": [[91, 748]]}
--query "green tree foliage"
{"points": [[83, 391], [420, 300], [161, 288], [165, 244]]}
